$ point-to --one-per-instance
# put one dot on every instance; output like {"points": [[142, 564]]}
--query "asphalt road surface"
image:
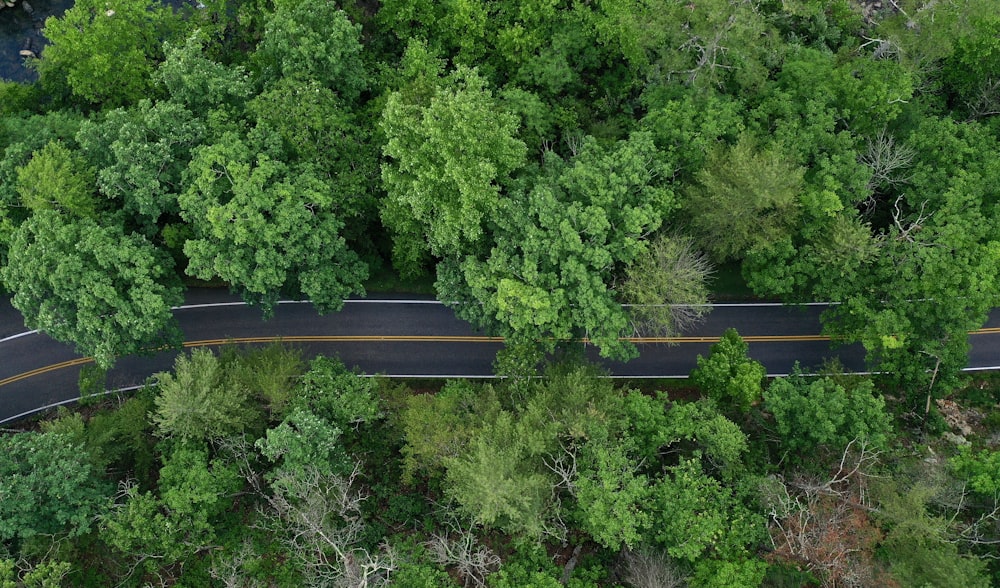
{"points": [[412, 338]]}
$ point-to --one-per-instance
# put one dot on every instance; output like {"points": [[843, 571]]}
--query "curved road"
{"points": [[413, 338]]}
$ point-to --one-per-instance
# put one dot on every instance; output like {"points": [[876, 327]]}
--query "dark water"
{"points": [[15, 26]]}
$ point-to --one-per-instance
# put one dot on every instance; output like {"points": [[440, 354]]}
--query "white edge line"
{"points": [[65, 402], [440, 377], [18, 336], [438, 302], [351, 301]]}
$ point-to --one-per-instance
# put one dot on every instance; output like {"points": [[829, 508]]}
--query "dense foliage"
{"points": [[562, 170], [256, 468], [546, 161]]}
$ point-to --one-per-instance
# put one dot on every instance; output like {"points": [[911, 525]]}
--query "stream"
{"points": [[16, 25]]}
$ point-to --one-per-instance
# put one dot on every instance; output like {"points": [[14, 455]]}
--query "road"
{"points": [[411, 338]]}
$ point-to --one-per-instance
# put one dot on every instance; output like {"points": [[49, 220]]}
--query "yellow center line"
{"points": [[435, 339], [48, 368]]}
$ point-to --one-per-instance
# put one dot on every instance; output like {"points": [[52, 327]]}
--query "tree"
{"points": [[316, 127], [743, 199], [696, 517], [612, 497], [159, 531], [141, 154], [497, 481], [23, 136], [314, 40], [338, 395], [57, 178], [267, 228], [557, 245], [318, 516], [270, 374], [922, 545], [933, 281], [105, 52], [438, 427], [721, 444], [689, 127], [729, 375], [197, 82], [304, 440], [449, 153], [108, 293], [196, 489], [200, 400], [817, 412], [668, 287], [49, 487], [711, 44], [972, 70]]}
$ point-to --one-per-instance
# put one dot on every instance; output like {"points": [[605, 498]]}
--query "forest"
{"points": [[556, 170]]}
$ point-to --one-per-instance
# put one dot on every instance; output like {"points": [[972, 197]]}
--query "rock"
{"points": [[954, 416], [26, 49], [26, 53], [956, 439], [27, 7]]}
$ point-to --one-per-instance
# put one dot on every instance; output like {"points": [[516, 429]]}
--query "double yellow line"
{"points": [[434, 339]]}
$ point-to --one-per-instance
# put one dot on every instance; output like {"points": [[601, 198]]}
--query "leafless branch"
{"points": [[321, 518], [709, 51], [886, 159], [824, 524], [649, 569], [460, 549], [987, 102], [229, 568], [906, 232], [563, 465]]}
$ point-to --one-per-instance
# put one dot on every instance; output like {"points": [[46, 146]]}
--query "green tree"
{"points": [[698, 517], [744, 198], [109, 294], [337, 394], [710, 44], [496, 480], [304, 440], [57, 178], [197, 82], [270, 374], [105, 52], [817, 412], [194, 487], [311, 39], [449, 153], [267, 228], [49, 487], [689, 127], [438, 427], [922, 544], [141, 154], [21, 136], [721, 444], [200, 400], [549, 276], [158, 531], [668, 287], [122, 440], [729, 375], [612, 496], [318, 128]]}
